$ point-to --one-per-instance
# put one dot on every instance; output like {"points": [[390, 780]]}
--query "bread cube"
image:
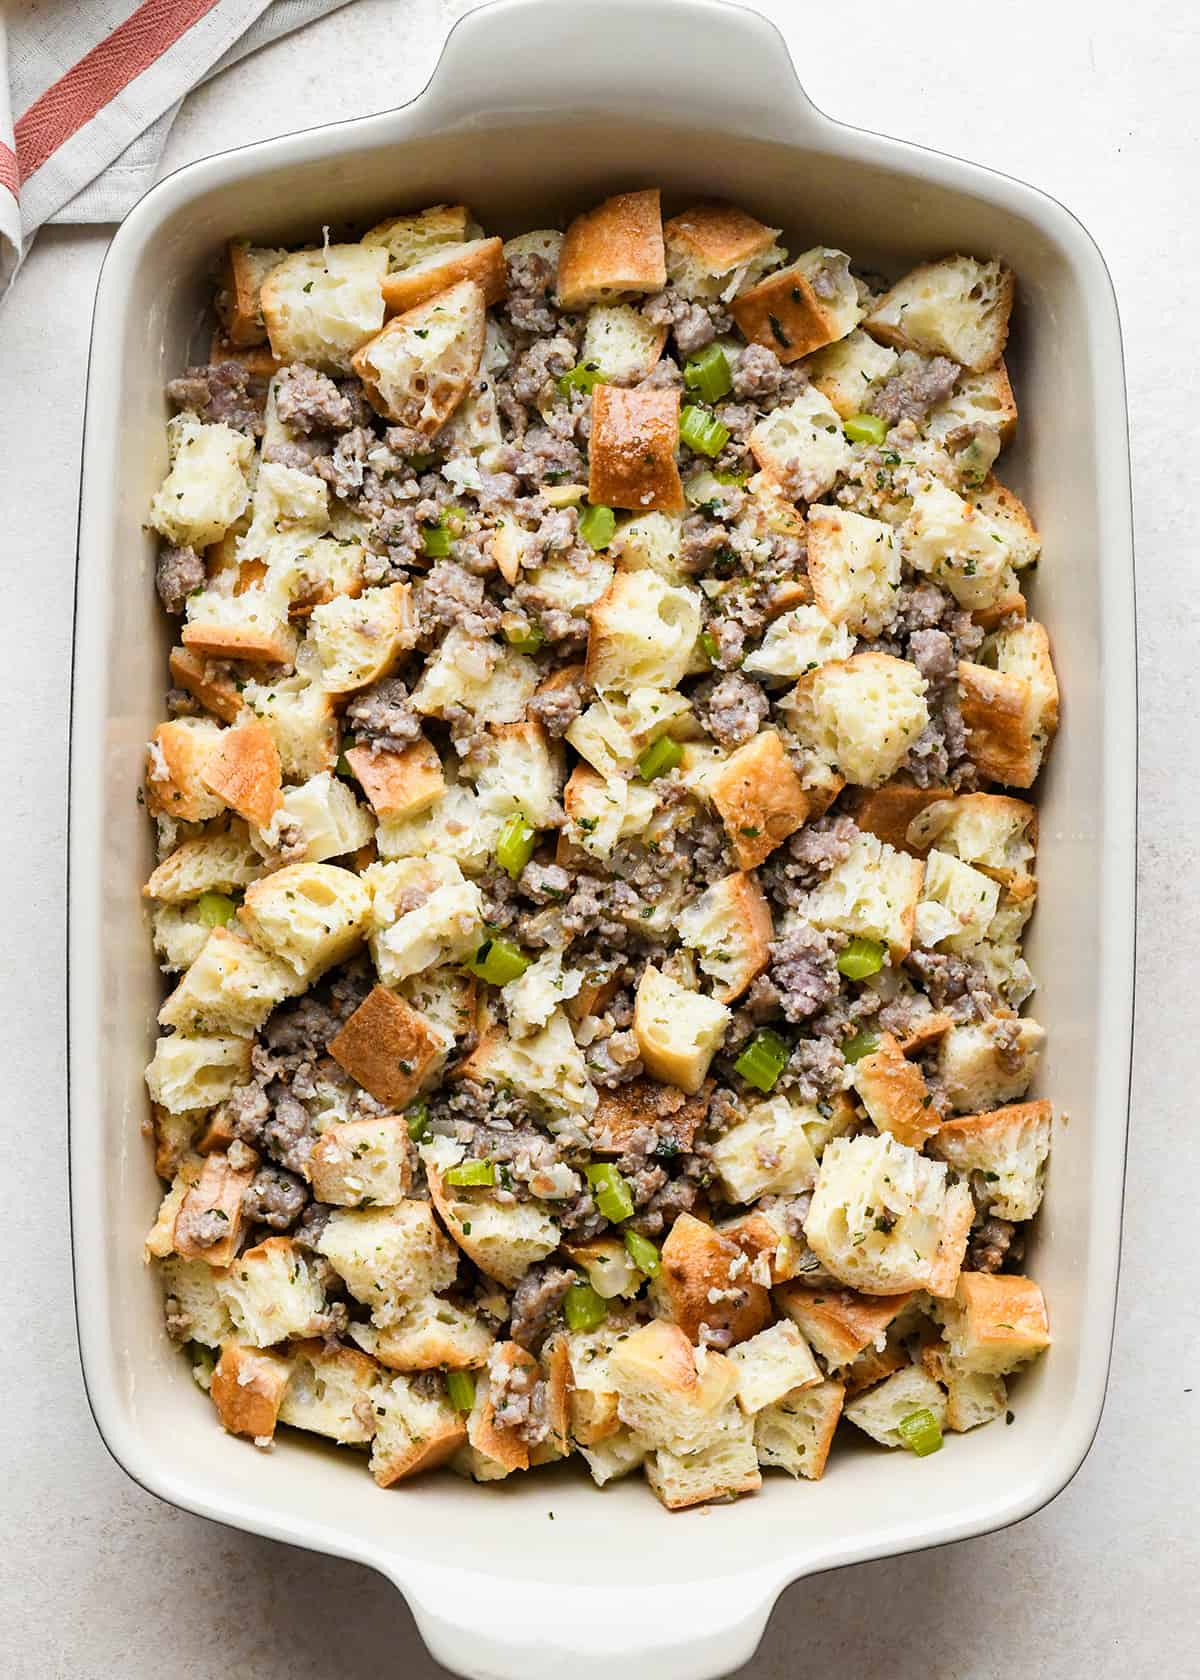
{"points": [[221, 860], [895, 813], [995, 1322], [504, 1239], [650, 541], [1012, 519], [774, 1253], [413, 1432], [331, 1391], [643, 631], [994, 833], [972, 1397], [517, 768], [477, 675], [895, 1094], [880, 1411], [797, 1432], [606, 1263], [841, 1324], [678, 1031], [547, 1066], [613, 250], [363, 1163], [990, 1063], [174, 1135], [231, 987], [714, 249], [243, 772], [800, 640], [389, 1258], [434, 1335], [358, 640], [320, 306], [759, 797], [593, 1397], [399, 784], [159, 1241], [207, 682], [388, 1047], [705, 1281], [332, 821], [531, 999], [301, 717], [423, 912], [874, 891], [860, 715], [207, 487], [624, 1111], [1008, 1148], [312, 915], [613, 732], [729, 926], [797, 309], [957, 904], [767, 1152], [620, 344], [197, 1072], [845, 372], [773, 1364], [195, 1308], [446, 997], [238, 303], [420, 367], [614, 1456], [177, 756], [510, 1368], [724, 1465], [271, 1295], [213, 1202], [978, 401], [1011, 712], [435, 271], [604, 809], [664, 1394], [956, 543], [957, 307], [884, 1219], [248, 1388], [854, 568], [631, 460], [407, 239], [801, 447]]}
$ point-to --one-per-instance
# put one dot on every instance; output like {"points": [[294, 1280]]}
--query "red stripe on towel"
{"points": [[10, 173]]}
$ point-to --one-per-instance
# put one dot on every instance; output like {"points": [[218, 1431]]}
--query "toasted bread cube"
{"points": [[531, 999], [547, 1066], [231, 987], [413, 1432], [593, 1395], [423, 912], [389, 1258], [517, 768], [159, 1241], [613, 732], [1008, 1147], [894, 813], [634, 437], [504, 1239], [774, 1363], [332, 821], [972, 1397], [399, 784], [759, 797], [608, 1266], [663, 1393], [420, 367], [895, 1094], [723, 1466], [331, 1391], [178, 755], [884, 1219], [650, 541], [210, 684], [957, 307], [456, 827], [479, 260], [612, 250], [643, 1104], [643, 631], [860, 715], [801, 447], [797, 1432], [407, 239], [620, 344], [207, 487], [556, 1402], [705, 1280], [880, 1411], [767, 1152], [797, 309], [1012, 519], [327, 568], [845, 372], [774, 1253], [989, 1063], [714, 249], [300, 715], [271, 1294], [433, 1335], [979, 401], [874, 891], [197, 1072], [854, 567], [729, 926], [312, 915], [208, 1225], [243, 772], [247, 1389], [220, 861], [238, 303], [363, 1163], [320, 306], [358, 639], [478, 676], [387, 1047], [958, 545], [988, 830], [799, 640], [995, 1322], [614, 1456], [257, 359], [604, 809], [1011, 713], [511, 1372], [957, 904], [447, 998], [840, 1323], [174, 1136], [195, 1310], [678, 1031]]}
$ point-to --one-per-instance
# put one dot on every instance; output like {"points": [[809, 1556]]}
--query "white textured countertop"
{"points": [[1095, 102]]}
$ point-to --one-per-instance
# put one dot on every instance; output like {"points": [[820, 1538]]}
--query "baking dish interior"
{"points": [[526, 173]]}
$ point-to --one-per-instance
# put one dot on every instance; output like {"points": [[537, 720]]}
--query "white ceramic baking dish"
{"points": [[537, 108]]}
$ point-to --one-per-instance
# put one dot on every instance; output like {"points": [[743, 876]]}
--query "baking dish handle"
{"points": [[718, 63], [500, 1629]]}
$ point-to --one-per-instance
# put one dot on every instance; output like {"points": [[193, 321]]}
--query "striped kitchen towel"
{"points": [[88, 93]]}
